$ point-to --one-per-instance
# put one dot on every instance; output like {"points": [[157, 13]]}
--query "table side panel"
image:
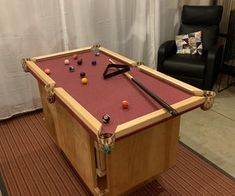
{"points": [[77, 145], [49, 111], [142, 156]]}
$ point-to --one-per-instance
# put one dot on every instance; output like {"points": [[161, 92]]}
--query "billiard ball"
{"points": [[79, 62], [97, 54], [47, 71], [106, 118], [125, 104], [93, 62], [71, 68], [66, 61], [84, 80], [82, 74], [75, 56]]}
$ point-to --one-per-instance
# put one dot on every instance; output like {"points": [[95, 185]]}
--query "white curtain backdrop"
{"points": [[134, 28], [28, 28]]}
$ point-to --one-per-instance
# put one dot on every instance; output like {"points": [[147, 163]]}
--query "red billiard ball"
{"points": [[125, 104], [47, 71], [75, 56]]}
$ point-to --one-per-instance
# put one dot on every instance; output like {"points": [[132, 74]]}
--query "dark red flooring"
{"points": [[31, 164]]}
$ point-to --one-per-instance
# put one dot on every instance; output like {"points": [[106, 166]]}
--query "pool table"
{"points": [[138, 143]]}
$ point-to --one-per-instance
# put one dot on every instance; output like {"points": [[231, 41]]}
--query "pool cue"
{"points": [[165, 105]]}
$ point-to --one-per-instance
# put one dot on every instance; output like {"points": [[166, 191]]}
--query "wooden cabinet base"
{"points": [[134, 159]]}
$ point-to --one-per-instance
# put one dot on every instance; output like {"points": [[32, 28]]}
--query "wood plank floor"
{"points": [[31, 164]]}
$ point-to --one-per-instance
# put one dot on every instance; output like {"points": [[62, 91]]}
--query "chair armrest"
{"points": [[213, 63], [166, 50]]}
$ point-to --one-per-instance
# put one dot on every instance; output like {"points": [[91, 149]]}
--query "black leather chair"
{"points": [[198, 70]]}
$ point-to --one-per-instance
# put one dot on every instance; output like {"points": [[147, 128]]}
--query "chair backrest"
{"points": [[202, 18]]}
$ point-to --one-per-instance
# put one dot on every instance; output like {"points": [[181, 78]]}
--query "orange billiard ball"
{"points": [[66, 61], [47, 71], [84, 80], [125, 104]]}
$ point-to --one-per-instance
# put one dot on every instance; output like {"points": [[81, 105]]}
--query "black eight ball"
{"points": [[106, 118], [71, 68]]}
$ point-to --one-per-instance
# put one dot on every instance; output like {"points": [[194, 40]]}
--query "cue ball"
{"points": [[75, 56], [97, 54], [47, 71], [84, 80], [125, 104], [71, 68], [66, 61], [79, 62], [106, 118], [82, 74], [93, 62]]}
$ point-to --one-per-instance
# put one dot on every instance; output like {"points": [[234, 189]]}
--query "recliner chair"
{"points": [[198, 70]]}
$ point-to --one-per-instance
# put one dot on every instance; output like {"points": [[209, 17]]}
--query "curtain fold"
{"points": [[127, 27], [133, 28], [28, 28]]}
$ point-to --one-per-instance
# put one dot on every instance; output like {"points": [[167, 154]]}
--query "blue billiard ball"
{"points": [[93, 62], [82, 74]]}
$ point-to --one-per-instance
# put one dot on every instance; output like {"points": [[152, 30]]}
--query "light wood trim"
{"points": [[78, 110], [129, 76], [60, 54], [141, 122], [118, 56], [189, 103], [40, 74], [157, 116], [191, 89]]}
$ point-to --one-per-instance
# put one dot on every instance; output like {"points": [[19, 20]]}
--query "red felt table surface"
{"points": [[101, 96]]}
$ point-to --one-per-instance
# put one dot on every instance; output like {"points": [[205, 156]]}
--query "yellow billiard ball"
{"points": [[84, 80]]}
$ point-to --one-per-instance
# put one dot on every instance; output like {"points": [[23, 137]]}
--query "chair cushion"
{"points": [[189, 43], [185, 65]]}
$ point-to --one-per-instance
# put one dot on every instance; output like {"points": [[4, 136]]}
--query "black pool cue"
{"points": [[171, 110]]}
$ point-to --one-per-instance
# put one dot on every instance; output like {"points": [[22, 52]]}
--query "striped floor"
{"points": [[31, 164]]}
